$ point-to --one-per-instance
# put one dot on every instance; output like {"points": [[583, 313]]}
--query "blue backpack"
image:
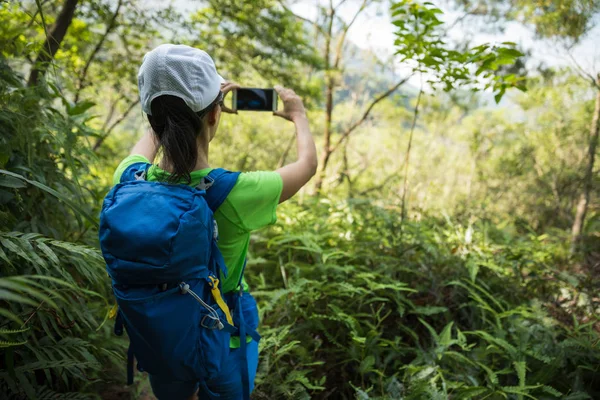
{"points": [[159, 242]]}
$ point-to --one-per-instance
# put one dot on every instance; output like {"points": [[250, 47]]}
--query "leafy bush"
{"points": [[54, 293], [355, 304]]}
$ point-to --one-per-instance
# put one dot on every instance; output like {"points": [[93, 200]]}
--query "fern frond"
{"points": [[521, 368], [44, 393], [11, 344], [13, 331]]}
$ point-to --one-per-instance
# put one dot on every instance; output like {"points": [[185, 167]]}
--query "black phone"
{"points": [[254, 99]]}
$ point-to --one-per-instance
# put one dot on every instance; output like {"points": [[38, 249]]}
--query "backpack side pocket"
{"points": [[212, 344]]}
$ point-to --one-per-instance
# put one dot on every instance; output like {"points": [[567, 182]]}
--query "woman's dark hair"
{"points": [[177, 128]]}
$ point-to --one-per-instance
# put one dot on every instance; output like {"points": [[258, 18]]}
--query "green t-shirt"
{"points": [[251, 205]]}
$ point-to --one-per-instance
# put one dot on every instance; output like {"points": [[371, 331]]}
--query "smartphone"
{"points": [[254, 99]]}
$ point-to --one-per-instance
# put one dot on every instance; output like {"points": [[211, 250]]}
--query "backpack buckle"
{"points": [[205, 183], [140, 175], [210, 322]]}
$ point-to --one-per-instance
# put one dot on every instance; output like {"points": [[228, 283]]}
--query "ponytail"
{"points": [[177, 127]]}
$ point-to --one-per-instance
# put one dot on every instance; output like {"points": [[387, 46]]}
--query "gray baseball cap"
{"points": [[178, 70]]}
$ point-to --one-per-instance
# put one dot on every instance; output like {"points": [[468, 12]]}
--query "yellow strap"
{"points": [[217, 295], [113, 311]]}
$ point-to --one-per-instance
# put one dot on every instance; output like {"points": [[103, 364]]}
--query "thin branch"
{"points": [[32, 314], [340, 3], [31, 21], [109, 28], [582, 72], [384, 183], [342, 39], [313, 23], [460, 19], [360, 10], [114, 125], [365, 115], [283, 158], [111, 112], [407, 162], [346, 169]]}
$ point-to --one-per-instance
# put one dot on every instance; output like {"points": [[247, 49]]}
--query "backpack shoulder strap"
{"points": [[135, 172], [218, 184]]}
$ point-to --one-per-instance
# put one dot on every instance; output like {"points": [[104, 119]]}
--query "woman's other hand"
{"points": [[227, 87], [293, 108]]}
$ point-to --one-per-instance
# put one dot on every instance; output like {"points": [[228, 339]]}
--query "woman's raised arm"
{"points": [[298, 173]]}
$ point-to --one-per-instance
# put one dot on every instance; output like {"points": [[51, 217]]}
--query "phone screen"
{"points": [[250, 99]]}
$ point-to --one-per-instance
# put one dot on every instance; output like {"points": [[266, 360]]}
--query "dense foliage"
{"points": [[355, 302], [444, 271]]}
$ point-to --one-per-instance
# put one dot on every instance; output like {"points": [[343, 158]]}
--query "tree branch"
{"points": [[358, 12], [384, 183], [365, 115], [313, 23], [342, 39], [340, 3], [114, 125], [458, 20], [582, 72], [53, 41], [111, 112], [99, 45], [288, 148], [407, 158]]}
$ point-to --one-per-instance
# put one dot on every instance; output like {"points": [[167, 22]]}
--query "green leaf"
{"points": [[446, 335], [509, 52], [11, 316], [10, 182], [48, 252], [13, 331], [9, 296], [499, 95], [367, 364], [521, 368], [80, 107], [471, 392], [428, 310], [287, 347], [552, 391], [521, 391]]}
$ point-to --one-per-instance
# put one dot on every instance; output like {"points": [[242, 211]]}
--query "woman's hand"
{"points": [[227, 87], [293, 108]]}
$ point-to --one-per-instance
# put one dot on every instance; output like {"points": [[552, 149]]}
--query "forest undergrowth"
{"points": [[353, 304]]}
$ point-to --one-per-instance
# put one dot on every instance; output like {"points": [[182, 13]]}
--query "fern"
{"points": [[521, 368], [357, 323], [44, 393], [45, 310], [4, 343]]}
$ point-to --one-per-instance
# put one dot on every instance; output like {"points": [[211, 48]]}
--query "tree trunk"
{"points": [[588, 179], [326, 153], [53, 41], [328, 104]]}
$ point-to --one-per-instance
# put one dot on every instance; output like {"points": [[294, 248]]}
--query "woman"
{"points": [[182, 95]]}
